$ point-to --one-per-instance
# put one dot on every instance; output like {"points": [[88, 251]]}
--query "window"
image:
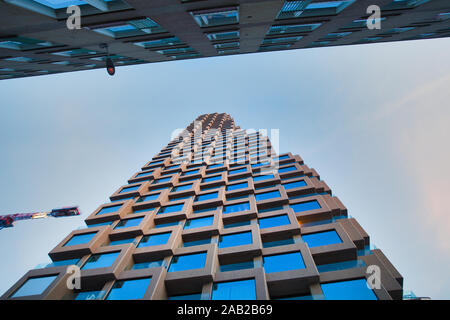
{"points": [[296, 184], [22, 43], [154, 240], [90, 295], [237, 224], [236, 207], [275, 221], [122, 241], [103, 260], [267, 195], [287, 169], [216, 17], [187, 173], [194, 296], [146, 173], [237, 266], [348, 290], [343, 265], [207, 196], [110, 209], [170, 209], [217, 36], [131, 28], [237, 186], [284, 262], [188, 262], [129, 189], [235, 239], [199, 222], [129, 289], [128, 223], [257, 165], [197, 242], [147, 265], [76, 53], [285, 156], [283, 242], [263, 177], [215, 166], [146, 210], [161, 180], [34, 286], [281, 30], [270, 209], [205, 209], [305, 206], [210, 179], [321, 238], [237, 171], [182, 188], [100, 224], [180, 198], [234, 290], [168, 224], [80, 239], [148, 198], [337, 35], [403, 4]]}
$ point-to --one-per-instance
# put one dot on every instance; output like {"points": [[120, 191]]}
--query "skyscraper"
{"points": [[35, 38], [217, 214]]}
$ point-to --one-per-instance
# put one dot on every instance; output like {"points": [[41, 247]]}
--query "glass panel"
{"points": [[169, 209], [236, 207], [278, 243], [341, 265], [80, 239], [188, 262], [129, 289], [34, 286], [198, 223], [205, 210], [305, 206], [182, 188], [207, 196], [234, 290], [236, 239], [321, 238], [237, 186], [194, 296], [147, 265], [90, 295], [216, 18], [122, 241], [237, 266], [197, 242], [104, 260], [275, 221], [128, 223], [287, 169], [348, 290], [154, 239], [128, 189], [284, 262], [109, 209], [296, 184], [264, 177], [210, 179], [237, 171], [267, 195], [149, 197], [237, 224]]}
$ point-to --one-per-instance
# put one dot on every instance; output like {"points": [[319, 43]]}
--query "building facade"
{"points": [[35, 38], [217, 214]]}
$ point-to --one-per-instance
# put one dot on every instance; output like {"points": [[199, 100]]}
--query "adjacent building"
{"points": [[35, 39], [217, 214]]}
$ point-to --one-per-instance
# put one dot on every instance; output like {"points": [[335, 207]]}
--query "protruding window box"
{"points": [[239, 172], [145, 175], [131, 226], [238, 188], [157, 244], [214, 179], [271, 197], [190, 269], [164, 182], [289, 270], [79, 243], [153, 164], [191, 174], [151, 199], [237, 243], [256, 275], [135, 189], [275, 223], [300, 186], [170, 212], [290, 169], [202, 225], [209, 198], [309, 209], [266, 178], [238, 210], [185, 189], [110, 212]]}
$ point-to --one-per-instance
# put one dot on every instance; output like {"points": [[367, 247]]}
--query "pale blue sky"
{"points": [[373, 120]]}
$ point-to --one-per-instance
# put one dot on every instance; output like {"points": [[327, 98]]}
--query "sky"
{"points": [[372, 119]]}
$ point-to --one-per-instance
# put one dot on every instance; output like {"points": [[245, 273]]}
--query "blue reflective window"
{"points": [[217, 18], [154, 239], [129, 189], [149, 197], [59, 263], [170, 209], [348, 290], [122, 241], [129, 289], [193, 296], [147, 265], [207, 196], [284, 262], [235, 239], [159, 43], [257, 165], [321, 238], [109, 209], [237, 186], [123, 199], [275, 221], [305, 206], [100, 224], [237, 224], [277, 243], [162, 180], [205, 209], [168, 224], [343, 265], [236, 207], [211, 179], [282, 30], [103, 260], [267, 195], [180, 198], [270, 209], [237, 171], [234, 290], [199, 222], [287, 169], [237, 266], [283, 157], [80, 239], [34, 286], [197, 242], [188, 262], [215, 166], [296, 184], [263, 177], [237, 197], [128, 223], [182, 188], [143, 174], [188, 173], [146, 210], [90, 295]]}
